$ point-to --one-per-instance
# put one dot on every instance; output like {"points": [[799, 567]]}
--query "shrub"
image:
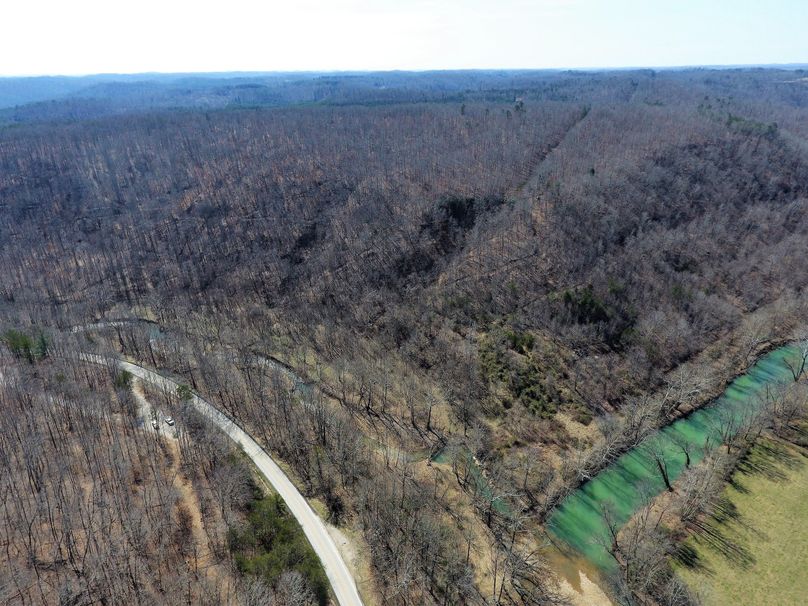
{"points": [[271, 543], [123, 380], [24, 346], [184, 393]]}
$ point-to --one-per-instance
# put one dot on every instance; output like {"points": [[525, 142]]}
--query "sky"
{"points": [[124, 36]]}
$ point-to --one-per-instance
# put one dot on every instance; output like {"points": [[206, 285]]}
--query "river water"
{"points": [[626, 483]]}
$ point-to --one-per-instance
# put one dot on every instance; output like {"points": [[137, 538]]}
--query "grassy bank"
{"points": [[271, 542], [755, 549]]}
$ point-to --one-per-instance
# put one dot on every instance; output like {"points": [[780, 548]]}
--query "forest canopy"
{"points": [[482, 281]]}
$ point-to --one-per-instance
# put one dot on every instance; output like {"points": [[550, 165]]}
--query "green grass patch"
{"points": [[271, 542], [507, 357], [755, 549]]}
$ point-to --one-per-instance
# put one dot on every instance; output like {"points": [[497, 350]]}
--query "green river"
{"points": [[577, 520]]}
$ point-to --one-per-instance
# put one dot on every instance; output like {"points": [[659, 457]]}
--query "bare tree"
{"points": [[796, 364], [660, 457]]}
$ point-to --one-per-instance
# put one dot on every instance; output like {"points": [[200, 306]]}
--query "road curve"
{"points": [[342, 583]]}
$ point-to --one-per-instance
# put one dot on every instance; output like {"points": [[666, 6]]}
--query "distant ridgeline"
{"points": [[46, 98]]}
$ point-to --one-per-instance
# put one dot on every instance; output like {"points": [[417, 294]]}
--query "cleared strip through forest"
{"points": [[342, 582]]}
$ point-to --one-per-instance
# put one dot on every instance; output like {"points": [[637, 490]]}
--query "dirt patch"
{"points": [[200, 555], [583, 433], [587, 593]]}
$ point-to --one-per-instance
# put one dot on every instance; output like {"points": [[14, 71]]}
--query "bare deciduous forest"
{"points": [[488, 285]]}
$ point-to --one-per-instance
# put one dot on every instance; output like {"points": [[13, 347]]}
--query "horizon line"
{"points": [[706, 66]]}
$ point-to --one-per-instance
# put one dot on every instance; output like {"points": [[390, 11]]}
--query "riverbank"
{"points": [[724, 365], [628, 482]]}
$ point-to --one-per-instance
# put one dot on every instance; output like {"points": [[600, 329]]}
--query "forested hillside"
{"points": [[480, 276]]}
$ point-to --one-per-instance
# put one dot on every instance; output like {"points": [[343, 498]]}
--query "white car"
{"points": [[155, 424], [169, 421]]}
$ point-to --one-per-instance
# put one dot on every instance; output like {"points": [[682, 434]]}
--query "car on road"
{"points": [[169, 421], [155, 424]]}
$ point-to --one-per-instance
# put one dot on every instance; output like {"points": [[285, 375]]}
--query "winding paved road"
{"points": [[342, 582]]}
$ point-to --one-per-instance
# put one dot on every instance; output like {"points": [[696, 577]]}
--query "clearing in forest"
{"points": [[755, 549]]}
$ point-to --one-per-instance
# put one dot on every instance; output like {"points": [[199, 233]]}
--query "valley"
{"points": [[488, 337]]}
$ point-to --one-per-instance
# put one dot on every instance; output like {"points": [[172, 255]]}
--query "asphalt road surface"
{"points": [[342, 583]]}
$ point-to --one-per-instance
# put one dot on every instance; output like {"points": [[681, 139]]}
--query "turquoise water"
{"points": [[626, 483]]}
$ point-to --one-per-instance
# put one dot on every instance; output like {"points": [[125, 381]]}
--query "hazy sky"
{"points": [[92, 36]]}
